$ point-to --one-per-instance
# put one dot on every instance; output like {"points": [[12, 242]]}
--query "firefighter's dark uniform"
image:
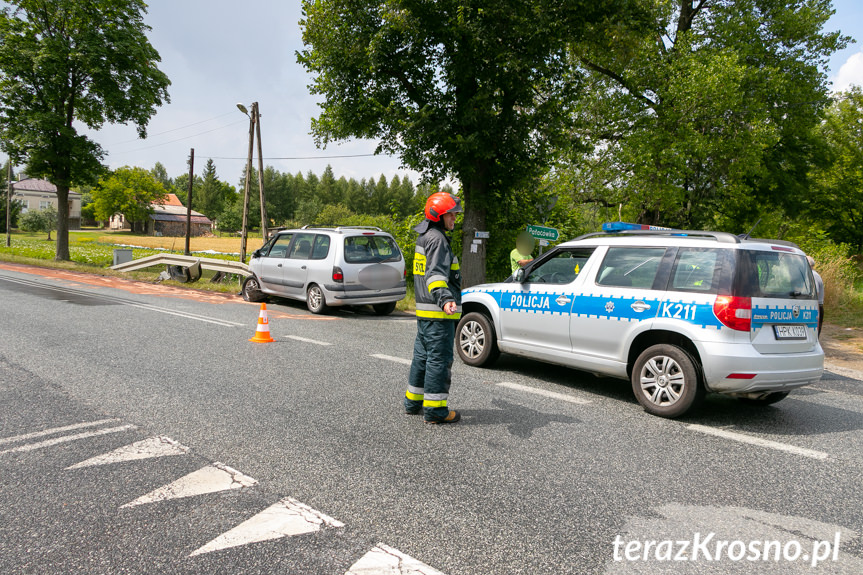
{"points": [[437, 280]]}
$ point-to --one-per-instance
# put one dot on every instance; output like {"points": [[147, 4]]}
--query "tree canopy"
{"points": [[480, 90], [68, 61], [128, 191]]}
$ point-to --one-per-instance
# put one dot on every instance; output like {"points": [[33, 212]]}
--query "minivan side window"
{"points": [[280, 246], [630, 267], [301, 249], [321, 248]]}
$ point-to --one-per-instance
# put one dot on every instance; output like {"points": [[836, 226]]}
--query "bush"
{"points": [[39, 221]]}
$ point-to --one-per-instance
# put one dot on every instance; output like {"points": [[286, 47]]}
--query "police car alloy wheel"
{"points": [[315, 300], [665, 381], [252, 290], [475, 340]]}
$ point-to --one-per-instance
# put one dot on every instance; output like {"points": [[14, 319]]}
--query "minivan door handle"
{"points": [[279, 265], [302, 268], [640, 306]]}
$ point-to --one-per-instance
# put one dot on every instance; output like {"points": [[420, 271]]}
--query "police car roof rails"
{"points": [[721, 237]]}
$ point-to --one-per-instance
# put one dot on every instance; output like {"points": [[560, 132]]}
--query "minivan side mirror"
{"points": [[520, 276], [256, 254]]}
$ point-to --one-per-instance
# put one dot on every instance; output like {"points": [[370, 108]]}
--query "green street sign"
{"points": [[543, 233]]}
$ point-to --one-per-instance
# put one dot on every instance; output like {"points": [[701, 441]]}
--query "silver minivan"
{"points": [[348, 265]]}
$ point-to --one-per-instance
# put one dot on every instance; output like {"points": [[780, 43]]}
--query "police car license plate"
{"points": [[790, 331]]}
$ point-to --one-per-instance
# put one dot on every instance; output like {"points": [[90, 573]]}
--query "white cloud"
{"points": [[850, 73]]}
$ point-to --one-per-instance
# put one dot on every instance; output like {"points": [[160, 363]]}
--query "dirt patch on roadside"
{"points": [[843, 346]]}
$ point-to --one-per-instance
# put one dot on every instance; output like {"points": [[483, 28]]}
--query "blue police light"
{"points": [[623, 226]]}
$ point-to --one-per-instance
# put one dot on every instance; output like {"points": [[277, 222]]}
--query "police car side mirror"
{"points": [[520, 276]]}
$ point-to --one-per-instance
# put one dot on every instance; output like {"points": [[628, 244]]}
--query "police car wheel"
{"points": [[766, 399], [665, 381], [252, 290], [475, 340], [315, 300]]}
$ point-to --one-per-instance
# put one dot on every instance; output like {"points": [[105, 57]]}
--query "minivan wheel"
{"points": [[315, 300], [766, 399], [665, 381], [384, 308], [475, 340], [252, 290]]}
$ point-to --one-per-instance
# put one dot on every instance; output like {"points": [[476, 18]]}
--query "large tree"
{"points": [[707, 115], [128, 191], [479, 89], [70, 62]]}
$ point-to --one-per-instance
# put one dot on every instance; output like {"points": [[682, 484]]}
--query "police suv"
{"points": [[678, 313]]}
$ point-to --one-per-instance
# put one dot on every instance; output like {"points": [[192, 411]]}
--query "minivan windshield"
{"points": [[371, 249], [777, 275]]}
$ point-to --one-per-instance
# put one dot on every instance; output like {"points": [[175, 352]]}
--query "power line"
{"points": [[298, 157], [180, 139], [149, 136]]}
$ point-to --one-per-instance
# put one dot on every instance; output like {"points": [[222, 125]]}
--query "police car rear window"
{"points": [[776, 275], [630, 267]]}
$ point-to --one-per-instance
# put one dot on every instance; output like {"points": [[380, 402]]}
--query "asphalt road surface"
{"points": [[141, 432]]}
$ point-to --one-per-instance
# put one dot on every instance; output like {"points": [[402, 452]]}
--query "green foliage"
{"points": [[838, 199], [44, 220], [64, 63], [704, 118], [129, 191], [480, 90]]}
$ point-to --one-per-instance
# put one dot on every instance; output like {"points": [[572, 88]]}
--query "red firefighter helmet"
{"points": [[442, 203]]}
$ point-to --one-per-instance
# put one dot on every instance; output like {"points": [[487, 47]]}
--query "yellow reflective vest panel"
{"points": [[437, 276]]}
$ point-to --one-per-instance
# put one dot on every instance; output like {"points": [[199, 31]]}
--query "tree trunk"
{"points": [[62, 224], [473, 263]]}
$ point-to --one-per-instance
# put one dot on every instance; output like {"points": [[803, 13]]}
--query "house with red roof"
{"points": [[168, 219]]}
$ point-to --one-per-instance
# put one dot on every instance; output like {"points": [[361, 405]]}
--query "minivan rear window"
{"points": [[371, 249], [776, 275]]}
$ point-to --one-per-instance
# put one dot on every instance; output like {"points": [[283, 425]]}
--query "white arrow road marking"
{"points": [[68, 438], [307, 340], [391, 358], [286, 518], [54, 430], [160, 446], [210, 479], [384, 560], [760, 442], [544, 392]]}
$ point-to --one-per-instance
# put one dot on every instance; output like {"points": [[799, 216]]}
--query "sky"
{"points": [[221, 52]]}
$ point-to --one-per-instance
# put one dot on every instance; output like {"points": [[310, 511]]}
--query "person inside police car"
{"points": [[437, 283]]}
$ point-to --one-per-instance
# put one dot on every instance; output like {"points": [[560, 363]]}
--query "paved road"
{"points": [[143, 433]]}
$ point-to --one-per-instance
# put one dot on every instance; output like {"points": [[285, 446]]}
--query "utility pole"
{"points": [[256, 115], [245, 231], [188, 251], [9, 205]]}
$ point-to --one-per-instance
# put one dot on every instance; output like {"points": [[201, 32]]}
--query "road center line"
{"points": [[68, 438], [54, 430], [391, 358], [752, 440], [545, 393], [307, 340]]}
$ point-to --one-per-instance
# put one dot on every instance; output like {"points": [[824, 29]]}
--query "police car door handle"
{"points": [[640, 306], [562, 300]]}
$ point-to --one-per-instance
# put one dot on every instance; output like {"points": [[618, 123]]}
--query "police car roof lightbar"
{"points": [[623, 226]]}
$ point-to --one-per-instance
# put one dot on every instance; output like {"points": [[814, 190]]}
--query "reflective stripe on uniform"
{"points": [[437, 284], [435, 400], [431, 311], [413, 396]]}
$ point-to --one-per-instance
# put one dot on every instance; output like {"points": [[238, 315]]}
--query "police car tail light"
{"points": [[734, 312], [338, 274]]}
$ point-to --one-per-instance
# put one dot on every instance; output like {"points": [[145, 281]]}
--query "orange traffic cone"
{"points": [[262, 333]]}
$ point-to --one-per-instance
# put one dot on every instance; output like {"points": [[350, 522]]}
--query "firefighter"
{"points": [[437, 283]]}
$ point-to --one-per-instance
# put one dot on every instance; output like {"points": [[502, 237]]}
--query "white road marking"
{"points": [[210, 479], [307, 340], [67, 438], [54, 430], [384, 560], [545, 393], [286, 518], [760, 442], [392, 358], [160, 446]]}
